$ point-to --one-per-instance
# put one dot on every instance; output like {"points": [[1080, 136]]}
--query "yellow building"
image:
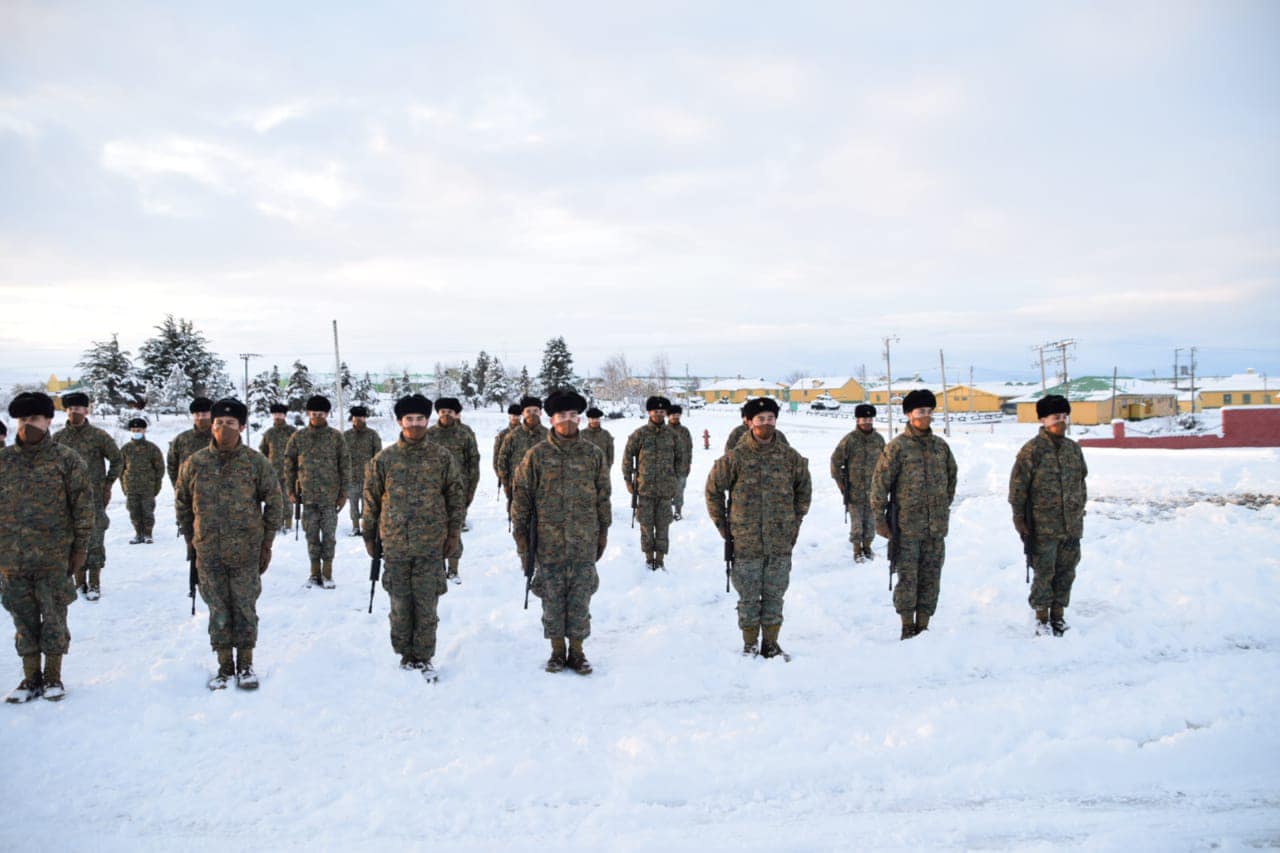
{"points": [[740, 390], [57, 387], [878, 394], [1092, 401], [1242, 389], [845, 389], [982, 397]]}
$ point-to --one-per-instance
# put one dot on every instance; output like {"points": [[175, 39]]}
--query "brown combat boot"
{"points": [[858, 556], [922, 622], [558, 658], [226, 670], [31, 684], [315, 580], [94, 593], [908, 626], [769, 648], [81, 583], [246, 678], [451, 568], [657, 560], [326, 574], [52, 679], [751, 641], [867, 553], [1057, 620], [648, 560], [1042, 621], [577, 660]]}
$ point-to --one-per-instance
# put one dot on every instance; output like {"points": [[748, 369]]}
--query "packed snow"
{"points": [[1149, 726]]}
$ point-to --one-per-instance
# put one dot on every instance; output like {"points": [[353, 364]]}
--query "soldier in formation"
{"points": [[228, 507], [102, 460], [917, 473], [598, 435], [852, 464], [519, 440], [414, 503], [757, 495], [317, 475], [513, 422], [4, 434], [737, 433], [561, 497], [188, 442], [362, 445], [273, 445], [651, 466], [684, 439], [142, 474], [457, 438], [1047, 493], [45, 530]]}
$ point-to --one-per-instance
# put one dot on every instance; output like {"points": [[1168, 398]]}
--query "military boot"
{"points": [[922, 623], [1057, 620], [558, 658], [769, 647], [94, 592], [246, 678], [1042, 621], [648, 560], [867, 553], [137, 539], [451, 572], [52, 679], [857, 552], [751, 641], [657, 560], [82, 583], [32, 681], [327, 574], [226, 670], [315, 580], [577, 660], [146, 538], [908, 626]]}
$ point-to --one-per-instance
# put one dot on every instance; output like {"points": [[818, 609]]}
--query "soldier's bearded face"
{"points": [[77, 414], [201, 419], [1056, 424], [277, 418], [447, 416], [226, 431], [414, 427], [565, 424], [318, 419], [921, 418], [533, 416], [866, 424], [763, 426], [32, 429], [658, 416]]}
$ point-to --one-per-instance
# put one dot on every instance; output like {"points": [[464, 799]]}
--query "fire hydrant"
{"points": [[706, 439]]}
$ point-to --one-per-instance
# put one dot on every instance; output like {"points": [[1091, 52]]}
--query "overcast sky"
{"points": [[748, 188]]}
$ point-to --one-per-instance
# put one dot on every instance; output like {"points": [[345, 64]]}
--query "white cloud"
{"points": [[270, 118], [873, 178], [671, 125], [919, 100]]}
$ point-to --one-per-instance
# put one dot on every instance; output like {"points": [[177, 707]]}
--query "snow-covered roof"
{"points": [[740, 385], [1249, 381], [1096, 388], [823, 383], [1003, 390], [899, 385]]}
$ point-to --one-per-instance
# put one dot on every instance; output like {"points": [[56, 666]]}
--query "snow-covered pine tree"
{"points": [[179, 342], [480, 375], [264, 391], [557, 366], [175, 393], [498, 387], [299, 388], [525, 382], [364, 394], [467, 385], [109, 374]]}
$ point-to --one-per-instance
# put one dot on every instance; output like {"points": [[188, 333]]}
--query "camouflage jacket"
{"points": [[274, 443], [1049, 475], [566, 483], [461, 442], [228, 502], [317, 469], [142, 468], [854, 461], [497, 449], [654, 458], [49, 506], [97, 448], [516, 444], [740, 432], [602, 439], [414, 497], [768, 491], [183, 445], [684, 440], [917, 468], [362, 445]]}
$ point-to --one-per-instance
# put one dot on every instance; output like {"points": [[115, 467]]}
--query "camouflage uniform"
{"points": [[363, 444], [459, 440], [603, 439], [852, 464], [50, 506], [917, 468], [141, 476], [273, 444], [769, 491], [1048, 478], [518, 441], [741, 430], [228, 506], [652, 461], [565, 482], [685, 440], [183, 445], [102, 459], [317, 472], [414, 500], [497, 449]]}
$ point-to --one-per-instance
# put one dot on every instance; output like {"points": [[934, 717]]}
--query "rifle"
{"points": [[193, 577], [891, 515], [508, 512], [375, 570], [728, 545], [1029, 541], [297, 517], [530, 553]]}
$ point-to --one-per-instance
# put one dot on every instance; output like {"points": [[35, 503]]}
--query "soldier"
{"points": [[513, 421], [650, 466], [456, 437], [4, 434], [519, 441], [562, 487], [757, 495], [228, 507], [598, 435], [918, 472], [141, 476], [1048, 494], [852, 464], [196, 438], [362, 445], [736, 434], [273, 445], [45, 530], [685, 440], [317, 474], [102, 458], [414, 502]]}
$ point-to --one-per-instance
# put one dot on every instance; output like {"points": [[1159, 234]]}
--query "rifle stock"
{"points": [[1029, 541], [891, 515], [193, 577], [375, 570], [530, 554], [297, 517], [728, 545]]}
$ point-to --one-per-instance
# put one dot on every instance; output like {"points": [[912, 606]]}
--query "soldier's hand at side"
{"points": [[106, 496], [602, 542], [264, 558], [371, 547], [452, 544], [77, 561], [342, 501], [522, 545], [882, 527], [1020, 525]]}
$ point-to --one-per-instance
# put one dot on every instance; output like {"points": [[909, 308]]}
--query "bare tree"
{"points": [[660, 374], [615, 378], [795, 376]]}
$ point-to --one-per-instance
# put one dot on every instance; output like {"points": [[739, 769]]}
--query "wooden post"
{"points": [[337, 380], [946, 406]]}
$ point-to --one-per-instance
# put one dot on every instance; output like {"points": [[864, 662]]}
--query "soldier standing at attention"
{"points": [[1048, 494], [273, 445], [513, 422], [736, 434], [102, 458], [598, 435], [651, 464], [562, 486], [317, 474], [228, 506], [44, 540], [758, 494], [918, 473], [4, 434], [457, 438], [141, 476], [414, 503], [684, 439], [852, 464], [362, 445], [520, 439], [196, 438]]}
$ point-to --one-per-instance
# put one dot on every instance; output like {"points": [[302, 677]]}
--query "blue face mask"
{"points": [[138, 436]]}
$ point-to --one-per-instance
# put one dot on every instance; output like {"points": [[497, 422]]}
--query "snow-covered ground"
{"points": [[1150, 726]]}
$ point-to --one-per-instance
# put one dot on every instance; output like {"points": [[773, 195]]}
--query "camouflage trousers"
{"points": [[654, 517], [286, 521], [1054, 563], [566, 592], [38, 601], [677, 502], [862, 523], [355, 504], [142, 513], [231, 594], [320, 524], [97, 548], [919, 567], [761, 583], [414, 586]]}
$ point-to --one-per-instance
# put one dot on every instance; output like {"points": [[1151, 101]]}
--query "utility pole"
{"points": [[971, 390], [1043, 384], [1193, 380], [337, 378], [888, 375], [1114, 371], [1176, 350], [246, 356], [946, 406]]}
